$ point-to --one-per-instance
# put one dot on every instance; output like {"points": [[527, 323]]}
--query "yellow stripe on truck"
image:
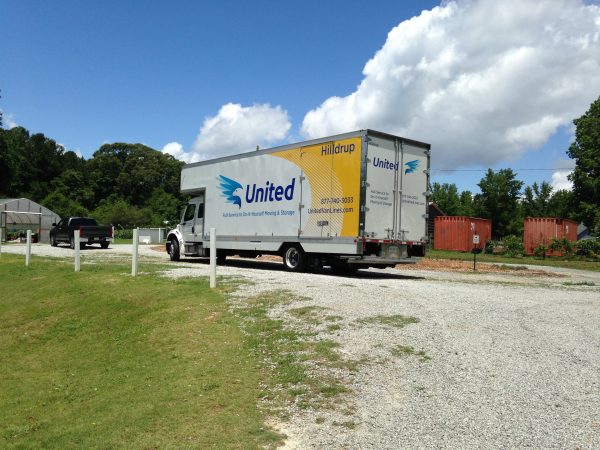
{"points": [[333, 171]]}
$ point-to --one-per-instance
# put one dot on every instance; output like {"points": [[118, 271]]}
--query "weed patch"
{"points": [[400, 351], [395, 321]]}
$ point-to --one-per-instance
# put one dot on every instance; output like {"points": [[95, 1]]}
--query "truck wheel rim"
{"points": [[292, 256]]}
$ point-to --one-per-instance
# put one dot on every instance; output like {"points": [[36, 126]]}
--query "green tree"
{"points": [[499, 201], [165, 208], [63, 205], [586, 176], [536, 200], [561, 204], [446, 197], [118, 212], [132, 172], [467, 206]]}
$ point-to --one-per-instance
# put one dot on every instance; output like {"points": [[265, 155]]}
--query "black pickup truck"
{"points": [[89, 232]]}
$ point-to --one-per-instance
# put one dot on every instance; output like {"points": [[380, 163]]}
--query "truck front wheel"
{"points": [[294, 258], [174, 250]]}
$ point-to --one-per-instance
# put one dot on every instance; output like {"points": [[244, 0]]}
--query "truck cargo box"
{"points": [[358, 197]]}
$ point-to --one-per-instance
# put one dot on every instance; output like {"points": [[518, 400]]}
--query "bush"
{"points": [[589, 248], [562, 245], [123, 234], [540, 250], [513, 246]]}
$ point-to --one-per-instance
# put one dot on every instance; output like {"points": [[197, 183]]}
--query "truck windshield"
{"points": [[83, 222]]}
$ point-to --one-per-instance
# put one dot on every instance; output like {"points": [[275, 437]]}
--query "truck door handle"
{"points": [[193, 229]]}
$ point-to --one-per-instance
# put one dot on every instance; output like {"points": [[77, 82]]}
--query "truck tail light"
{"points": [[80, 232]]}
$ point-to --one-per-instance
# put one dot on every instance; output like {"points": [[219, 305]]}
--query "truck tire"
{"points": [[72, 243], [53, 241], [104, 244], [221, 257], [174, 254], [294, 258]]}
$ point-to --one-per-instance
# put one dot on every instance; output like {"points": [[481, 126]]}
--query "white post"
{"points": [[28, 251], [160, 235], [213, 258], [77, 237], [134, 256]]}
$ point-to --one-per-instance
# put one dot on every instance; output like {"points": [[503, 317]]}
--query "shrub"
{"points": [[124, 234], [589, 248], [540, 250], [513, 246], [562, 245]]}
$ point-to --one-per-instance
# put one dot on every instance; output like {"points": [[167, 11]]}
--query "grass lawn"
{"points": [[100, 359], [568, 262]]}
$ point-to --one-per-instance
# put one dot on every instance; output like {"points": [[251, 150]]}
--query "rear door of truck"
{"points": [[396, 185]]}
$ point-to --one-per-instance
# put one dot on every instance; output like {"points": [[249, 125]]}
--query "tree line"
{"points": [[122, 184], [503, 200]]}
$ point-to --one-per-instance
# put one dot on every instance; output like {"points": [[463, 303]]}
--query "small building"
{"points": [[542, 230], [17, 215], [456, 233]]}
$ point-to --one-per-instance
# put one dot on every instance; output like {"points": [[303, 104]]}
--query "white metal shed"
{"points": [[21, 214]]}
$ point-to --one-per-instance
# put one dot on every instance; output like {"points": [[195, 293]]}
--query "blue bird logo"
{"points": [[229, 188], [411, 166]]}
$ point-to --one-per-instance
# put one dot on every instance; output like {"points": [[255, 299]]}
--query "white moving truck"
{"points": [[347, 201]]}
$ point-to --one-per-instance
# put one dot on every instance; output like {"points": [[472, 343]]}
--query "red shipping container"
{"points": [[541, 230], [456, 233]]}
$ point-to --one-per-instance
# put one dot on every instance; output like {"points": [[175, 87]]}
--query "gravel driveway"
{"points": [[494, 360]]}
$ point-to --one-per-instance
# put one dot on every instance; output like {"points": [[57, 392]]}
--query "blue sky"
{"points": [[86, 73]]}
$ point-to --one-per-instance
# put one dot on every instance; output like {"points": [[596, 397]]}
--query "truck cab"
{"points": [[187, 238]]}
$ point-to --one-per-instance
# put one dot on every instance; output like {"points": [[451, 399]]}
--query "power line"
{"points": [[485, 170]]}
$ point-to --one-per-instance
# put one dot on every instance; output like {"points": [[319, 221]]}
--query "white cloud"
{"points": [[482, 81], [8, 121], [236, 129], [560, 181], [175, 149]]}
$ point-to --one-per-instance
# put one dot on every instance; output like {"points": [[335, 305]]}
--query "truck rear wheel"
{"points": [[174, 250], [294, 258]]}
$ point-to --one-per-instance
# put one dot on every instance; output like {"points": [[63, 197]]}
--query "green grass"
{"points": [[287, 351], [579, 283], [572, 262], [395, 321], [100, 359], [406, 350]]}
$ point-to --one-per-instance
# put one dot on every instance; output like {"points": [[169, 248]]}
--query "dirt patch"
{"points": [[450, 265]]}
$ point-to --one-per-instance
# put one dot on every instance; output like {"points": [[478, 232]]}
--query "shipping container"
{"points": [[347, 201], [541, 230], [456, 233]]}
